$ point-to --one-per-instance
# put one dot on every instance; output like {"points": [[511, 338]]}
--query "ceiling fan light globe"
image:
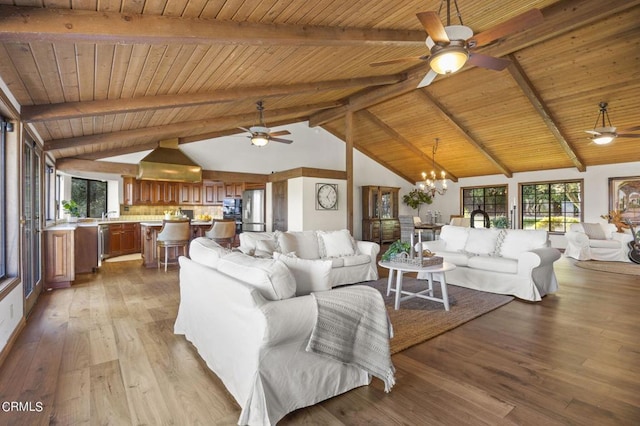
{"points": [[259, 140], [449, 59], [603, 139]]}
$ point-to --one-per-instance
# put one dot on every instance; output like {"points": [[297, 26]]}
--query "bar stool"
{"points": [[222, 232], [174, 233]]}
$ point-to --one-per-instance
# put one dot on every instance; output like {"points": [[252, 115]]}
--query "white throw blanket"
{"points": [[353, 327]]}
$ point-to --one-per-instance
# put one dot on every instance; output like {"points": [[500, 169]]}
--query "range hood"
{"points": [[167, 162]]}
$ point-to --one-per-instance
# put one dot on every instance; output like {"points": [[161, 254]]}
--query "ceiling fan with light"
{"points": [[606, 134], [450, 46], [260, 134]]}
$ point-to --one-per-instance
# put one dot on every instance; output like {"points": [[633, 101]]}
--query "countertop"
{"points": [[73, 225]]}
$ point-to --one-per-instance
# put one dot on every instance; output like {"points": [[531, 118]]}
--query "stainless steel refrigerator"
{"points": [[253, 217]]}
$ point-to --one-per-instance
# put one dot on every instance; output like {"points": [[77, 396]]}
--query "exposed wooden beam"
{"points": [[378, 160], [78, 165], [69, 110], [30, 24], [559, 18], [448, 117], [403, 141], [307, 172], [176, 130], [234, 176], [98, 155], [527, 87]]}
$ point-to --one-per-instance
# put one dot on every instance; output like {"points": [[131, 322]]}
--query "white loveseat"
{"points": [[241, 315], [351, 261], [597, 241], [505, 261]]}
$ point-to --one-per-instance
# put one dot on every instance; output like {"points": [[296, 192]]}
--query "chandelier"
{"points": [[432, 185]]}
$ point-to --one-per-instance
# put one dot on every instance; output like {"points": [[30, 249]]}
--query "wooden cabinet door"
{"points": [[128, 239], [128, 183], [115, 234], [233, 190], [146, 192], [59, 258], [171, 193], [159, 192], [186, 193], [196, 193], [209, 192], [220, 193]]}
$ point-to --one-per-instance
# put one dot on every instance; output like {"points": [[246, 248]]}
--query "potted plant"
{"points": [[416, 198], [395, 248], [71, 208], [501, 222]]}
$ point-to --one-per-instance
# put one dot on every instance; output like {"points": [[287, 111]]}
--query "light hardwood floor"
{"points": [[104, 352]]}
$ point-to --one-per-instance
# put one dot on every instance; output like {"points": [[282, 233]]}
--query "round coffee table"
{"points": [[436, 271]]}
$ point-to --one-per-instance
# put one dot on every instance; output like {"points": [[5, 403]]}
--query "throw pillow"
{"points": [[594, 231], [248, 240], [265, 248], [336, 243], [303, 243], [312, 275], [271, 277], [454, 237], [206, 252], [482, 241], [518, 241]]}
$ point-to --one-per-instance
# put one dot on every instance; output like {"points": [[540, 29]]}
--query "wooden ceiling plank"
{"points": [[527, 87], [178, 129], [402, 140], [77, 165], [70, 110], [64, 25], [448, 117]]}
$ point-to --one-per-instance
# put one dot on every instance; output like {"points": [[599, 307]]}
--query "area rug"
{"points": [[614, 267], [419, 320]]}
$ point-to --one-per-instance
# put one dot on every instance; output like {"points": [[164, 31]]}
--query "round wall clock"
{"points": [[327, 196]]}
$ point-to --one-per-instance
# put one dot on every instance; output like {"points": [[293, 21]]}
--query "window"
{"points": [[551, 206], [91, 196], [492, 199]]}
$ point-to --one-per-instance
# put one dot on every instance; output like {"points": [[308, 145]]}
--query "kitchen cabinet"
{"points": [[129, 185], [149, 234], [59, 266], [144, 195], [233, 190], [380, 214], [190, 193], [171, 193], [212, 192], [124, 238], [86, 249], [159, 192]]}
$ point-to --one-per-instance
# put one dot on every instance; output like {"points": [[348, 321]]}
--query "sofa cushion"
{"points": [[271, 277], [312, 275], [265, 248], [493, 263], [336, 243], [455, 237], [594, 231], [303, 243], [518, 241], [336, 262], [613, 244], [458, 258], [482, 241], [206, 252], [356, 259], [249, 240]]}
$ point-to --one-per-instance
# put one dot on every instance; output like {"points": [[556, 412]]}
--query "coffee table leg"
{"points": [[430, 278], [398, 288], [445, 294], [389, 281]]}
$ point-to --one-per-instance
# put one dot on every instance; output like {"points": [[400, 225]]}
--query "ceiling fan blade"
{"points": [[631, 129], [431, 75], [280, 140], [593, 132], [510, 26], [244, 129], [399, 60], [280, 133], [489, 62], [628, 135], [432, 25]]}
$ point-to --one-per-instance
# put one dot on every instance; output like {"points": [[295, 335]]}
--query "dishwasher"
{"points": [[104, 241]]}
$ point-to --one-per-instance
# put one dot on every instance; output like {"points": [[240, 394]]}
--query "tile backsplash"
{"points": [[214, 211]]}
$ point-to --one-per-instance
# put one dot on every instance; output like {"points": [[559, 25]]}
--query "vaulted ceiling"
{"points": [[98, 79]]}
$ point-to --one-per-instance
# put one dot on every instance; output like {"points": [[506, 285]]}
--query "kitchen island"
{"points": [[149, 232]]}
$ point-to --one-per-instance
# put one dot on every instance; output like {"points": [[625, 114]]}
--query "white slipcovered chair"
{"points": [[597, 241]]}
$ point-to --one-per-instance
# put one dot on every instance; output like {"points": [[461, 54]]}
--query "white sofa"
{"points": [[240, 314], [505, 261], [351, 261], [597, 241]]}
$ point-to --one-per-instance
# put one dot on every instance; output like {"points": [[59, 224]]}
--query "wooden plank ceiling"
{"points": [[98, 79]]}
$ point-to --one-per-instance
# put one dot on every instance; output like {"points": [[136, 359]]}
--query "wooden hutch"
{"points": [[380, 222]]}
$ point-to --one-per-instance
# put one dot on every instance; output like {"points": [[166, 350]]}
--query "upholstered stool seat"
{"points": [[174, 234], [222, 232]]}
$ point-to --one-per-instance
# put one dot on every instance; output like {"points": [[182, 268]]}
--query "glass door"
{"points": [[31, 243]]}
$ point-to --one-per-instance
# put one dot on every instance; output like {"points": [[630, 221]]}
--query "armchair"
{"points": [[597, 241]]}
